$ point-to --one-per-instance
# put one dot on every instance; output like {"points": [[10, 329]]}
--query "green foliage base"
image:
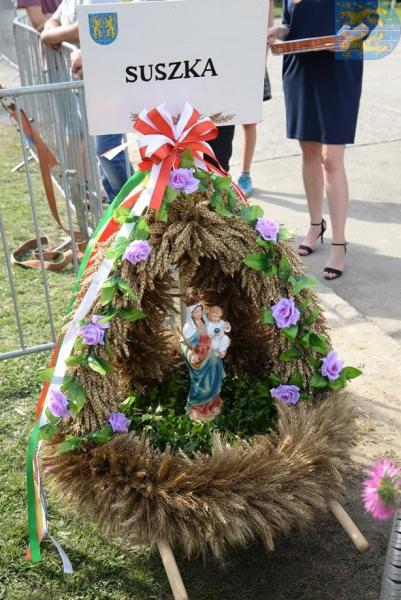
{"points": [[248, 410]]}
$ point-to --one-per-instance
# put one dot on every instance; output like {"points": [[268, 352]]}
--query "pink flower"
{"points": [[267, 228], [332, 366], [119, 422], [58, 404], [183, 180], [382, 492], [137, 251], [92, 335]]}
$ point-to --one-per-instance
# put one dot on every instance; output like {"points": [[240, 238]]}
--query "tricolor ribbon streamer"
{"points": [[161, 144]]}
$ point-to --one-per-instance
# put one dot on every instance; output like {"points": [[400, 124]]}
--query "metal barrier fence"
{"points": [[39, 65], [7, 44], [82, 208]]}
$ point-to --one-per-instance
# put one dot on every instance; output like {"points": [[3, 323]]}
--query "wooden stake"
{"points": [[348, 525], [171, 568]]}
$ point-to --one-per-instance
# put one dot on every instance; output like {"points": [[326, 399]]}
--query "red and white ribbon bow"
{"points": [[162, 142]]}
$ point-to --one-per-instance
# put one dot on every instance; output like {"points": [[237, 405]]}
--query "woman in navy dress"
{"points": [[322, 93]]}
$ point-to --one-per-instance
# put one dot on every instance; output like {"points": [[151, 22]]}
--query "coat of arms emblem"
{"points": [[103, 27]]}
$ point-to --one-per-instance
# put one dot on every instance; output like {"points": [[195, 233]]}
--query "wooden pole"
{"points": [[172, 571], [348, 525]]}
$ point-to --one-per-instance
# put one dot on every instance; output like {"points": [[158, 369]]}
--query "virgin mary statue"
{"points": [[205, 367]]}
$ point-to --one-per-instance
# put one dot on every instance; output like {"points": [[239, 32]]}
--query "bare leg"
{"points": [[337, 194], [249, 147], [314, 185]]}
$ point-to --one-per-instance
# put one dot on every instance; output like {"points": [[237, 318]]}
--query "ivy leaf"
{"points": [[222, 183], [291, 354], [110, 314], [109, 290], [48, 431], [99, 365], [232, 199], [350, 373], [296, 379], [131, 314], [128, 402], [52, 418], [186, 159], [274, 379], [122, 214], [105, 364], [102, 436], [284, 269], [318, 381], [305, 340], [218, 204], [303, 305], [170, 194], [77, 359], [45, 374], [79, 344], [251, 214], [284, 234], [108, 294], [318, 343], [70, 444], [202, 175], [117, 248], [310, 319], [258, 261], [338, 384], [315, 362], [162, 213], [76, 396], [291, 332], [271, 271], [125, 288], [302, 282], [266, 317], [141, 231]]}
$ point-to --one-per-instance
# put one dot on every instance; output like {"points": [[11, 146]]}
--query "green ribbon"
{"points": [[34, 542], [127, 188]]}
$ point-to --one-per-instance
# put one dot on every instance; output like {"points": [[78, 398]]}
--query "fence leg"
{"points": [[348, 525], [20, 165], [172, 571]]}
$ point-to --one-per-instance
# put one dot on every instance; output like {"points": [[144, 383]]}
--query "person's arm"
{"points": [[53, 35], [36, 16], [279, 32], [76, 64]]}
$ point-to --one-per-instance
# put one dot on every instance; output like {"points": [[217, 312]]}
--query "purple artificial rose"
{"points": [[91, 334], [119, 422], [138, 251], [267, 228], [183, 180], [332, 366], [285, 313], [96, 321], [58, 404], [289, 394]]}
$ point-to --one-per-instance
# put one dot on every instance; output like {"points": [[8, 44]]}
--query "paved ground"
{"points": [[372, 282]]}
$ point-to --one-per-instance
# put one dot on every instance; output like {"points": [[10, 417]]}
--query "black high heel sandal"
{"points": [[336, 272], [308, 249]]}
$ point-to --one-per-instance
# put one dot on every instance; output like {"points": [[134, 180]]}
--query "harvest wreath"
{"points": [[158, 423]]}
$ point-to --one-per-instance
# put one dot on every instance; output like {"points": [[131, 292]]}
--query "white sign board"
{"points": [[210, 53]]}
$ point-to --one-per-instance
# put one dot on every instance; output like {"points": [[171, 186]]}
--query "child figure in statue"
{"points": [[204, 363], [217, 329]]}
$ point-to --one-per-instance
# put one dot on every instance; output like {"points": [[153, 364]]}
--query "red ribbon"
{"points": [[163, 142]]}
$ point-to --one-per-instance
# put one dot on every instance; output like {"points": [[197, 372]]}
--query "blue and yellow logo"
{"points": [[103, 27]]}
